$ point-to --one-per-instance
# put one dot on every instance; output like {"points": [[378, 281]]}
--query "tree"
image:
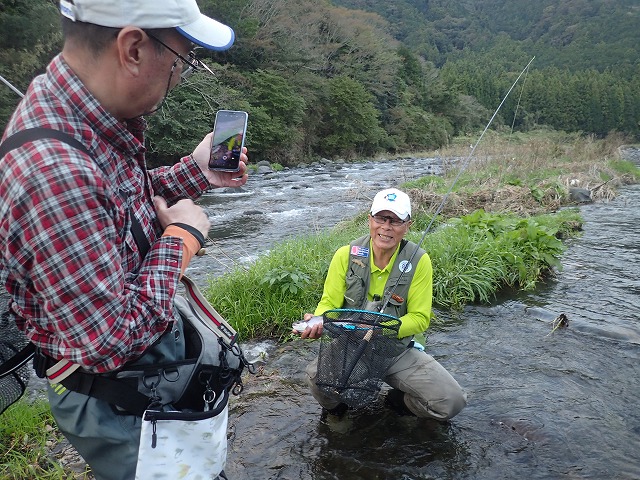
{"points": [[276, 114], [29, 37], [351, 123]]}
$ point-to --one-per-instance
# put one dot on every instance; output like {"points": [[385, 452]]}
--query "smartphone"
{"points": [[229, 130]]}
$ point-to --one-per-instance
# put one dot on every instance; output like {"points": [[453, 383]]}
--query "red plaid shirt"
{"points": [[67, 255]]}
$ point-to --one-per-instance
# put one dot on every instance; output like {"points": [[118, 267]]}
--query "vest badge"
{"points": [[405, 266], [359, 251]]}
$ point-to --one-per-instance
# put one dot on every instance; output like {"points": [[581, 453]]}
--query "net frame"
{"points": [[356, 349]]}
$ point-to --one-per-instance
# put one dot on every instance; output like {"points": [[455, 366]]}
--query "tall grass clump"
{"points": [[466, 268], [26, 429]]}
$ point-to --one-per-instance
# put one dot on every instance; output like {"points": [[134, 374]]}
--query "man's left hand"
{"points": [[217, 178]]}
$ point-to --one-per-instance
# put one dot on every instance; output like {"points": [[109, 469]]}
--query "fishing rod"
{"points": [[8, 84], [465, 164], [362, 343]]}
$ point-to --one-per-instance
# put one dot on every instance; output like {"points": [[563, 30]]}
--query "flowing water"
{"points": [[543, 403], [273, 207]]}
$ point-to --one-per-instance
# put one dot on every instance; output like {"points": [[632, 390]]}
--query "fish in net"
{"points": [[356, 349]]}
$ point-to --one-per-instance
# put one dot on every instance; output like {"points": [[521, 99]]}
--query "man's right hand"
{"points": [[184, 211], [311, 332]]}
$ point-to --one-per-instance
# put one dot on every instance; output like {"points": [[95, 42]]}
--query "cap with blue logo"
{"points": [[394, 201]]}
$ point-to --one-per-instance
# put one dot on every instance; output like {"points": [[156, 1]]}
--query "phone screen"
{"points": [[228, 139]]}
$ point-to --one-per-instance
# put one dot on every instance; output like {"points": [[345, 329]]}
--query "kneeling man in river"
{"points": [[382, 272]]}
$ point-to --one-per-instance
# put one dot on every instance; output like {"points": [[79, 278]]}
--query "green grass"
{"points": [[624, 167], [26, 432]]}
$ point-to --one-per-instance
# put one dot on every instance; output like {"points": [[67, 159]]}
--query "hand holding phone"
{"points": [[229, 131]]}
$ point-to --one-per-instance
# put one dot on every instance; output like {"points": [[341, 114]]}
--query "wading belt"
{"points": [[113, 391]]}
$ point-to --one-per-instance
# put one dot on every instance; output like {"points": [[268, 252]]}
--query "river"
{"points": [[543, 403]]}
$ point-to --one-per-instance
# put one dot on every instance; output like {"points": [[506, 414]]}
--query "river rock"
{"points": [[580, 195], [264, 169]]}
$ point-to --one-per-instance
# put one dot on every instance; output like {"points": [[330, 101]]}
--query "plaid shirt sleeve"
{"points": [[182, 180], [69, 265]]}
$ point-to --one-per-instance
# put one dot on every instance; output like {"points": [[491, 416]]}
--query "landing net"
{"points": [[356, 349], [12, 385]]}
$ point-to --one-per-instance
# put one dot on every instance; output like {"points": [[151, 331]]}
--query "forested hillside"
{"points": [[573, 34], [368, 77]]}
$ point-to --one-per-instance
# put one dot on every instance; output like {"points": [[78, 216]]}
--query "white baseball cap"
{"points": [[183, 15], [393, 200]]}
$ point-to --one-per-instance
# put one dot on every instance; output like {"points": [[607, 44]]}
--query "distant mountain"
{"points": [[573, 34]]}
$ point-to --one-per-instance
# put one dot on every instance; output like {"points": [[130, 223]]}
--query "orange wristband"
{"points": [[190, 244]]}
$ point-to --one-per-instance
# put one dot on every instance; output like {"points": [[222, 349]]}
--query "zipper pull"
{"points": [[154, 436]]}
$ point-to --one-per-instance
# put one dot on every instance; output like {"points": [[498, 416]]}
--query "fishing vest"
{"points": [[359, 274]]}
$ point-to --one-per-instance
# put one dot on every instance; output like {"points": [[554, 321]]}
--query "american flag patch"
{"points": [[360, 251]]}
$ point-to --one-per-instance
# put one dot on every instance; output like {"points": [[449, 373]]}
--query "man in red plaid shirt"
{"points": [[81, 289]]}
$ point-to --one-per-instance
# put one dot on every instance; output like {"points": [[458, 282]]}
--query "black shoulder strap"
{"points": [[139, 236], [36, 133]]}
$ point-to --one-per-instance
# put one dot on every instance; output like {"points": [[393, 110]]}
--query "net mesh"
{"points": [[12, 385], [356, 349]]}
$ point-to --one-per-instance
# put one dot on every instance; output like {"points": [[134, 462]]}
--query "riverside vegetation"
{"points": [[501, 227]]}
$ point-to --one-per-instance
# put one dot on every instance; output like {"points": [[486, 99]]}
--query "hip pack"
{"points": [[208, 369], [193, 366]]}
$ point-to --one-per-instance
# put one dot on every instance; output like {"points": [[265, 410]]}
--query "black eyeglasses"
{"points": [[382, 219], [189, 65]]}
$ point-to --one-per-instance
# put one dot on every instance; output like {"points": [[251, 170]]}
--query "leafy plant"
{"points": [[528, 247], [287, 279]]}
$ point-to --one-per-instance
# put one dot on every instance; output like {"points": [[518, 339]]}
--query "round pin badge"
{"points": [[405, 266]]}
